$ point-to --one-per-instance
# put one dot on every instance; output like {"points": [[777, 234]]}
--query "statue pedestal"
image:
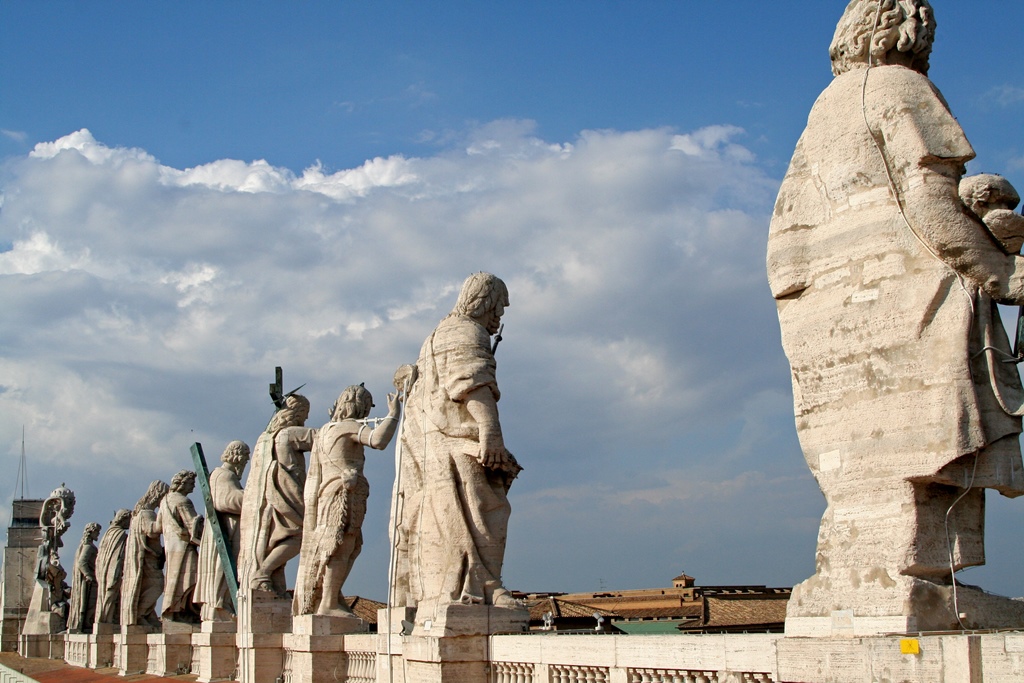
{"points": [[448, 644], [263, 619], [317, 648], [901, 605], [101, 648], [132, 650], [169, 654], [446, 621], [215, 652], [76, 649], [45, 646]]}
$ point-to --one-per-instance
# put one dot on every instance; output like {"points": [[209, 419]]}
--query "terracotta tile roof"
{"points": [[364, 608], [691, 611], [564, 609], [745, 612]]}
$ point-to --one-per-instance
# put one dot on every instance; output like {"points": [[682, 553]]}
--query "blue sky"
{"points": [[196, 192]]}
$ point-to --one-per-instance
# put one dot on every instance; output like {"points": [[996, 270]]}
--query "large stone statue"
{"points": [[226, 491], [183, 530], [272, 507], [82, 611], [336, 493], [143, 582], [456, 470], [884, 282], [110, 569], [48, 607]]}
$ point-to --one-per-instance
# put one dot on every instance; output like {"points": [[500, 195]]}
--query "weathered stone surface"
{"points": [[143, 577], [182, 530], [456, 471], [884, 307], [82, 610], [48, 607], [272, 505], [227, 493], [109, 571], [335, 500]]}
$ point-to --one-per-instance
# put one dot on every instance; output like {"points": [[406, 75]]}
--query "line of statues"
{"points": [[451, 523]]}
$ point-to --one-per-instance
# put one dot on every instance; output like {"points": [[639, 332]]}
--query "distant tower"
{"points": [[18, 577]]}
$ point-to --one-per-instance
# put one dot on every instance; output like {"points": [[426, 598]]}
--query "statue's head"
{"points": [[484, 298], [183, 482], [354, 402], [293, 414], [121, 518], [236, 456], [91, 532], [151, 499], [884, 32]]}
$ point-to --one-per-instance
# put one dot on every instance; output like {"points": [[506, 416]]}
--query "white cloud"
{"points": [[146, 307]]}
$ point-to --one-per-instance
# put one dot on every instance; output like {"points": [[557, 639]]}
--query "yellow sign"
{"points": [[910, 646]]}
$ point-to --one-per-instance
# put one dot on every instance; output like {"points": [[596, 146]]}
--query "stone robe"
{"points": [[82, 611], [273, 505], [143, 582], [109, 569], [454, 525], [880, 321], [212, 587], [182, 529]]}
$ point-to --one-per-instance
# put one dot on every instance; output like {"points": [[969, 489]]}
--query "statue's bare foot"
{"points": [[339, 611], [502, 598]]}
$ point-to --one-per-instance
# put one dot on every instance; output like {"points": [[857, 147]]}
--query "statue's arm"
{"points": [[936, 214], [311, 491], [482, 405], [382, 434], [87, 564]]}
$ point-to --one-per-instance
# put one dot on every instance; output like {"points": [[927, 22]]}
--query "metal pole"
{"points": [[214, 523]]}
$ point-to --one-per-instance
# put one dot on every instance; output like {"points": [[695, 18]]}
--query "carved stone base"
{"points": [[100, 629], [169, 654], [216, 655], [320, 625], [818, 608], [76, 649], [448, 621], [263, 618], [41, 646], [101, 650], [132, 650]]}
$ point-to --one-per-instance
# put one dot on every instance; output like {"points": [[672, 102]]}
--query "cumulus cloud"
{"points": [[146, 308]]}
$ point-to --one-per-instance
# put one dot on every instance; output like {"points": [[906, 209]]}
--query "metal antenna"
{"points": [[22, 481]]}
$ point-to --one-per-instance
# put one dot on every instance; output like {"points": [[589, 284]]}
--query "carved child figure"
{"points": [[993, 199], [335, 496], [83, 582]]}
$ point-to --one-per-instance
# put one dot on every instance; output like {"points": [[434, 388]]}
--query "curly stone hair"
{"points": [[179, 479], [481, 292], [906, 26], [294, 406], [236, 452], [92, 528], [355, 401], [120, 517]]}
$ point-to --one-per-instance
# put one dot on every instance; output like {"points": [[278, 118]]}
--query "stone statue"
{"points": [[48, 607], [272, 507], [110, 568], [880, 275], [456, 471], [82, 611], [183, 530], [336, 493], [143, 562], [993, 199], [226, 491]]}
